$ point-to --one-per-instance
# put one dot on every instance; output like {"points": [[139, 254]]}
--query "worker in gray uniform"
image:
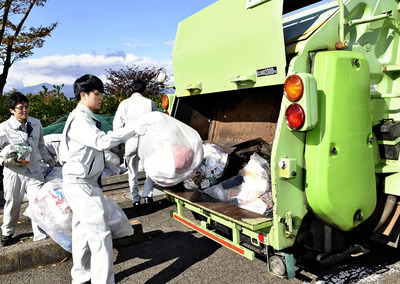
{"points": [[82, 155], [24, 132], [129, 111]]}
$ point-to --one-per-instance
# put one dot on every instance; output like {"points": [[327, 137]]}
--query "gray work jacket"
{"points": [[82, 145], [14, 133]]}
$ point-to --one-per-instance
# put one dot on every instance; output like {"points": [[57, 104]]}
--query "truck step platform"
{"points": [[225, 210]]}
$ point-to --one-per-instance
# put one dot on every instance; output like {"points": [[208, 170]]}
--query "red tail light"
{"points": [[165, 102], [295, 116], [261, 237], [294, 88]]}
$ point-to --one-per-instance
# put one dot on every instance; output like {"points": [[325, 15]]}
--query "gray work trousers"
{"points": [[92, 251], [132, 164], [15, 187]]}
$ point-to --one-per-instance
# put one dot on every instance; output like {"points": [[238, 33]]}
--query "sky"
{"points": [[95, 35]]}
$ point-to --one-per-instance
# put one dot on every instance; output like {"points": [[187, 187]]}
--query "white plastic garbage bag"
{"points": [[256, 179], [171, 151], [119, 223]]}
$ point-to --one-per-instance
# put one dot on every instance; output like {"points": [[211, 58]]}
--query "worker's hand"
{"points": [[138, 128], [13, 162]]}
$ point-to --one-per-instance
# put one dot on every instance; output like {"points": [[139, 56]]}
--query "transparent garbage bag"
{"points": [[111, 170], [119, 223], [171, 151], [52, 213], [226, 190], [250, 189], [211, 168], [20, 152], [111, 158]]}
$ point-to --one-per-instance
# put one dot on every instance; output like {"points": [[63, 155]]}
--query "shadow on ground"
{"points": [[182, 247]]}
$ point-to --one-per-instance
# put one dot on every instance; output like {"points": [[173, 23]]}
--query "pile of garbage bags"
{"points": [[171, 152], [250, 188]]}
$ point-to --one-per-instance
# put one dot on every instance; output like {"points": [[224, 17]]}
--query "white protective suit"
{"points": [[81, 152]]}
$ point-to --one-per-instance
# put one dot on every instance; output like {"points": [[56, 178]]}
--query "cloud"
{"points": [[117, 53], [137, 45], [59, 69], [171, 42]]}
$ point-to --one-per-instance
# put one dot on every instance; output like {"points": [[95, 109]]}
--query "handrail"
{"points": [[384, 15], [342, 43]]}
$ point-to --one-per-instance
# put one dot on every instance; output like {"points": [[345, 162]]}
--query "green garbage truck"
{"points": [[318, 82]]}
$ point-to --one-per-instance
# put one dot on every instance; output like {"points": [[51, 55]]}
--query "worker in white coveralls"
{"points": [[21, 139], [82, 156], [129, 111], [52, 144]]}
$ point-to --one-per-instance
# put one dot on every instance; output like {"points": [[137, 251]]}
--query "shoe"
{"points": [[136, 205], [6, 241], [148, 200]]}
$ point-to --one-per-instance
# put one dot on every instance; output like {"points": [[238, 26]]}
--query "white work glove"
{"points": [[12, 162]]}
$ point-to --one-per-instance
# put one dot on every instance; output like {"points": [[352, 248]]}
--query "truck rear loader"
{"points": [[318, 82]]}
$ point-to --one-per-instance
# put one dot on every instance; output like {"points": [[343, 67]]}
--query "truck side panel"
{"points": [[340, 173]]}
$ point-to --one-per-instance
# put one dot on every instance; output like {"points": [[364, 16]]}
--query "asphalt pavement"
{"points": [[166, 251], [24, 253]]}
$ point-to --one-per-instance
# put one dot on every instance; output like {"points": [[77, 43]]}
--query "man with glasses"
{"points": [[25, 132]]}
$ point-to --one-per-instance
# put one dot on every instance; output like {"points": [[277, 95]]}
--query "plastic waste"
{"points": [[211, 168], [51, 212], [250, 189], [111, 158], [22, 153]]}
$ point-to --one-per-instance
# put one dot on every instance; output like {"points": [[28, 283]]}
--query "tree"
{"points": [[119, 85], [15, 42], [50, 105]]}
